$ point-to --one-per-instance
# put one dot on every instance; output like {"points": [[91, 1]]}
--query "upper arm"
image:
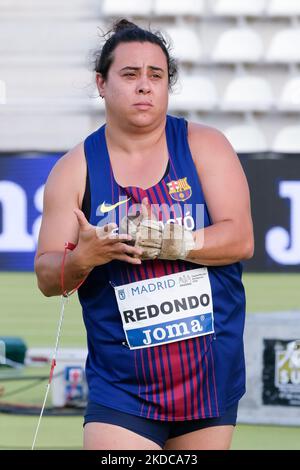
{"points": [[222, 177], [63, 193]]}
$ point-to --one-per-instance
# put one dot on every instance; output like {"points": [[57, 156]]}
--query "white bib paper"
{"points": [[165, 309]]}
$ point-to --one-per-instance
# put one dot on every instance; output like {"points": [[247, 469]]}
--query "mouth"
{"points": [[143, 105]]}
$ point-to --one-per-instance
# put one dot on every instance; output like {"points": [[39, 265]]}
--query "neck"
{"points": [[132, 139]]}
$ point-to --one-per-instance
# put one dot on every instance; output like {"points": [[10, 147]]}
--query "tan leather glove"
{"points": [[176, 242], [157, 240]]}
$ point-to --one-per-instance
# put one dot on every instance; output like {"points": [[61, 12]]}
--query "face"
{"points": [[136, 88]]}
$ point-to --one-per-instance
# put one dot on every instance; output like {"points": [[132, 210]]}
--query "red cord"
{"points": [[68, 246]]}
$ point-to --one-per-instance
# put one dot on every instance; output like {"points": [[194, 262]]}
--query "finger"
{"points": [[133, 251], [82, 221], [147, 209], [107, 229], [112, 239], [123, 248], [128, 259], [117, 238]]}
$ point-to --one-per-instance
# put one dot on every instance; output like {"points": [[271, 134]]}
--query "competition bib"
{"points": [[165, 309]]}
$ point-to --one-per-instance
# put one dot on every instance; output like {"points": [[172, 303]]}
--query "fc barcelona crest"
{"points": [[180, 190]]}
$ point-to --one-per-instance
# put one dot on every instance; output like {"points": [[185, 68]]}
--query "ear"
{"points": [[100, 82]]}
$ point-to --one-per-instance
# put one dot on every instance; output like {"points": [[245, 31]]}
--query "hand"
{"points": [[169, 241], [145, 230], [100, 245]]}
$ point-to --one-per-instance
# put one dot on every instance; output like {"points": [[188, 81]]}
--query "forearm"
{"points": [[222, 243], [48, 267]]}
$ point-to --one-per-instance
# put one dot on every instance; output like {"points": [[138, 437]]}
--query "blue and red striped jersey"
{"points": [[194, 378]]}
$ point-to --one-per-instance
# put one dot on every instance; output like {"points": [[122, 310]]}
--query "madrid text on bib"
{"points": [[165, 309]]}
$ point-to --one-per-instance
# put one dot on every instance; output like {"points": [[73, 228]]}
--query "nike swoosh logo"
{"points": [[105, 208]]}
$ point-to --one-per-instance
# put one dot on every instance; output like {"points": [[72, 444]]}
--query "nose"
{"points": [[143, 85]]}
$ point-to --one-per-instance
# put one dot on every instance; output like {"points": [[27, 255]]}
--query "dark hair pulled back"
{"points": [[125, 31]]}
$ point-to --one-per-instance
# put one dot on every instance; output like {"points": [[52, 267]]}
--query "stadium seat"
{"points": [[171, 8], [284, 47], [247, 94], [246, 138], [187, 47], [66, 88], [126, 7], [238, 45], [45, 131], [196, 94], [282, 8], [34, 40], [287, 140], [289, 99], [2, 92], [33, 8], [239, 8]]}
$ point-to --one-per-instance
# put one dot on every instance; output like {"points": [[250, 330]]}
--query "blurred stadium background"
{"points": [[239, 72]]}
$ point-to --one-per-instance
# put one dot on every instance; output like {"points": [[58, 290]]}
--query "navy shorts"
{"points": [[157, 431]]}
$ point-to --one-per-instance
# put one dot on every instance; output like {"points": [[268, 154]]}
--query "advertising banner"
{"points": [[274, 182]]}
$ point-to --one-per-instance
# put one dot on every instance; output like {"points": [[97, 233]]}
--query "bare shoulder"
{"points": [[208, 143], [64, 188], [72, 160], [69, 173]]}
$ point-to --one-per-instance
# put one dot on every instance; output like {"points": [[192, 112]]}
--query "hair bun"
{"points": [[123, 24]]}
